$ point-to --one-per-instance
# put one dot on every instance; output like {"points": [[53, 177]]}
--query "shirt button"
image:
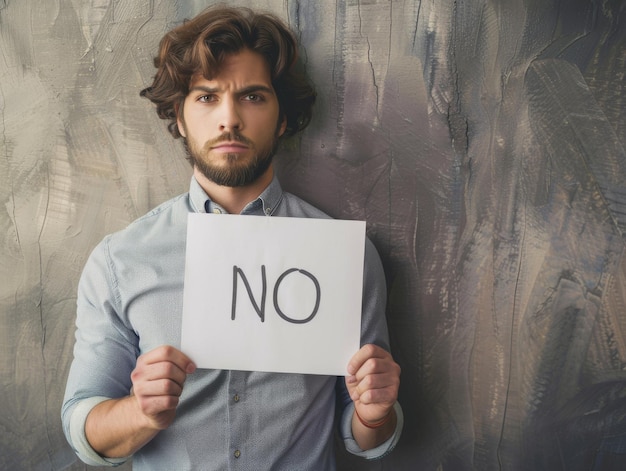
{"points": [[268, 211], [217, 211], [237, 453], [236, 398]]}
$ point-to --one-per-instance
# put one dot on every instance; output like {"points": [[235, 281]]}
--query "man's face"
{"points": [[231, 122]]}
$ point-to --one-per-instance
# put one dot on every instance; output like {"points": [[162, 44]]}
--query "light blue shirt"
{"points": [[130, 301]]}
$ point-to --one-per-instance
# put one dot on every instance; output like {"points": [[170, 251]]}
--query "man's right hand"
{"points": [[117, 428], [158, 380]]}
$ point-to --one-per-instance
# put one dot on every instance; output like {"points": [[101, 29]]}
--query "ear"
{"points": [[283, 127], [180, 120]]}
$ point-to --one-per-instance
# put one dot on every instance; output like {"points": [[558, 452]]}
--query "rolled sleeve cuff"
{"points": [[345, 428], [79, 439]]}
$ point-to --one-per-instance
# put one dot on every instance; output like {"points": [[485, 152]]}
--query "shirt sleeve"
{"points": [[105, 353], [374, 331], [374, 304], [77, 438], [345, 429]]}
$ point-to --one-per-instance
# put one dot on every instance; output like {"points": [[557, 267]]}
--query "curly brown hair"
{"points": [[200, 45]]}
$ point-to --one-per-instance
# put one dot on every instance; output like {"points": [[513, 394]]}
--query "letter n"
{"points": [[260, 309]]}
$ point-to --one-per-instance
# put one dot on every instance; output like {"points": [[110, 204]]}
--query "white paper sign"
{"points": [[273, 294]]}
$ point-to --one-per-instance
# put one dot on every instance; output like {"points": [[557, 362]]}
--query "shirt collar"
{"points": [[266, 203]]}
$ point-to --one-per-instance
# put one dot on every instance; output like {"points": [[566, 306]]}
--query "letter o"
{"points": [[317, 298]]}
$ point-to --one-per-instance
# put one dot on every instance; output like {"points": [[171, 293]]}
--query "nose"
{"points": [[230, 118]]}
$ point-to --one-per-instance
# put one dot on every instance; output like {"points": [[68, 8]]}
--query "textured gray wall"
{"points": [[483, 142]]}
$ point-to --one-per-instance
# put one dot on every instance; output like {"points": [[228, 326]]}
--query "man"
{"points": [[226, 82]]}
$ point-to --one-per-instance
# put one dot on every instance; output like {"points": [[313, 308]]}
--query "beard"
{"points": [[238, 170]]}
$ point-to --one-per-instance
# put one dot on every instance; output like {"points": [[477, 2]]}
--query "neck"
{"points": [[234, 199]]}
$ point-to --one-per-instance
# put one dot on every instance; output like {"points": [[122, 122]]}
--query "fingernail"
{"points": [[191, 367]]}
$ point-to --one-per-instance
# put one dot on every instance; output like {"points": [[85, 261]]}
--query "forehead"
{"points": [[241, 69]]}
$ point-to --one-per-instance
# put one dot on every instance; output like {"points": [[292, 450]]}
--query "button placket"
{"points": [[237, 415]]}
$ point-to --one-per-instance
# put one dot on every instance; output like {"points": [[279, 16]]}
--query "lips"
{"points": [[230, 147]]}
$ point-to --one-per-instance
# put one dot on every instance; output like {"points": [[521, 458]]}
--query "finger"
{"points": [[163, 363], [158, 387], [371, 382], [170, 354], [375, 394], [371, 360], [152, 378], [365, 353], [380, 372]]}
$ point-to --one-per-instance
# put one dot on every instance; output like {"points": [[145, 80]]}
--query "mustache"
{"points": [[228, 136]]}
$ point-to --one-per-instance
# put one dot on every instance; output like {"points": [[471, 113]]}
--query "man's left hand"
{"points": [[373, 380]]}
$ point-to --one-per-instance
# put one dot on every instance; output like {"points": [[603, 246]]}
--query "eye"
{"points": [[253, 97], [206, 98]]}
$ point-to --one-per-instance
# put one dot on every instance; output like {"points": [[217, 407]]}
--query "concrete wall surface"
{"points": [[481, 140]]}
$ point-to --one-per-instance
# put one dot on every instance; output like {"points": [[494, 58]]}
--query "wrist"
{"points": [[374, 424]]}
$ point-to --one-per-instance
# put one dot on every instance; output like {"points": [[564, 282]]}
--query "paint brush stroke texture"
{"points": [[483, 142]]}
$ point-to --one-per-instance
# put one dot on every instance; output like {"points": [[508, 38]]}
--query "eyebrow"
{"points": [[241, 91]]}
